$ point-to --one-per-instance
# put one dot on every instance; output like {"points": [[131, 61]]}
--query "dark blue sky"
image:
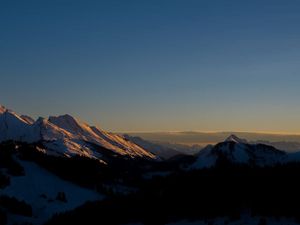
{"points": [[154, 65]]}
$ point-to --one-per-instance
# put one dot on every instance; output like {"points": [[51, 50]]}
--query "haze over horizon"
{"points": [[154, 65]]}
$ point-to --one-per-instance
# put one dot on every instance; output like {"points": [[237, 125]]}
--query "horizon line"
{"points": [[213, 132]]}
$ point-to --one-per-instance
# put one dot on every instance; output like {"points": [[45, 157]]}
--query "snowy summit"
{"points": [[236, 139], [66, 136], [239, 151]]}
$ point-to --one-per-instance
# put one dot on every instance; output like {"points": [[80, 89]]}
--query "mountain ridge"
{"points": [[65, 135], [235, 150]]}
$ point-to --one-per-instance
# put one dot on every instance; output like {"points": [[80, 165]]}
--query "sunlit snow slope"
{"points": [[65, 135]]}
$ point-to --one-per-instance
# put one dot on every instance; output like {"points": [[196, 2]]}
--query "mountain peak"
{"points": [[2, 109], [11, 115], [236, 139], [64, 118], [69, 123]]}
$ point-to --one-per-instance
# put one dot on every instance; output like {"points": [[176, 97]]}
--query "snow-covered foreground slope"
{"points": [[40, 188], [239, 151], [65, 135]]}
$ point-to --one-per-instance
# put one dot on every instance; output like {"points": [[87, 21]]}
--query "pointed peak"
{"points": [[12, 118], [68, 123], [65, 120], [65, 117], [10, 113], [2, 109], [236, 139]]}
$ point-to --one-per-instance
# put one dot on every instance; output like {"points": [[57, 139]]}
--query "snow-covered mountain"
{"points": [[66, 136], [239, 151], [13, 127]]}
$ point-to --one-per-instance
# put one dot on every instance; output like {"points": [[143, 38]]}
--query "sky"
{"points": [[159, 65]]}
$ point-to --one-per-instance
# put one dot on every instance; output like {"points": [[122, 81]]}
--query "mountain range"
{"points": [[285, 142], [53, 165], [66, 136]]}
